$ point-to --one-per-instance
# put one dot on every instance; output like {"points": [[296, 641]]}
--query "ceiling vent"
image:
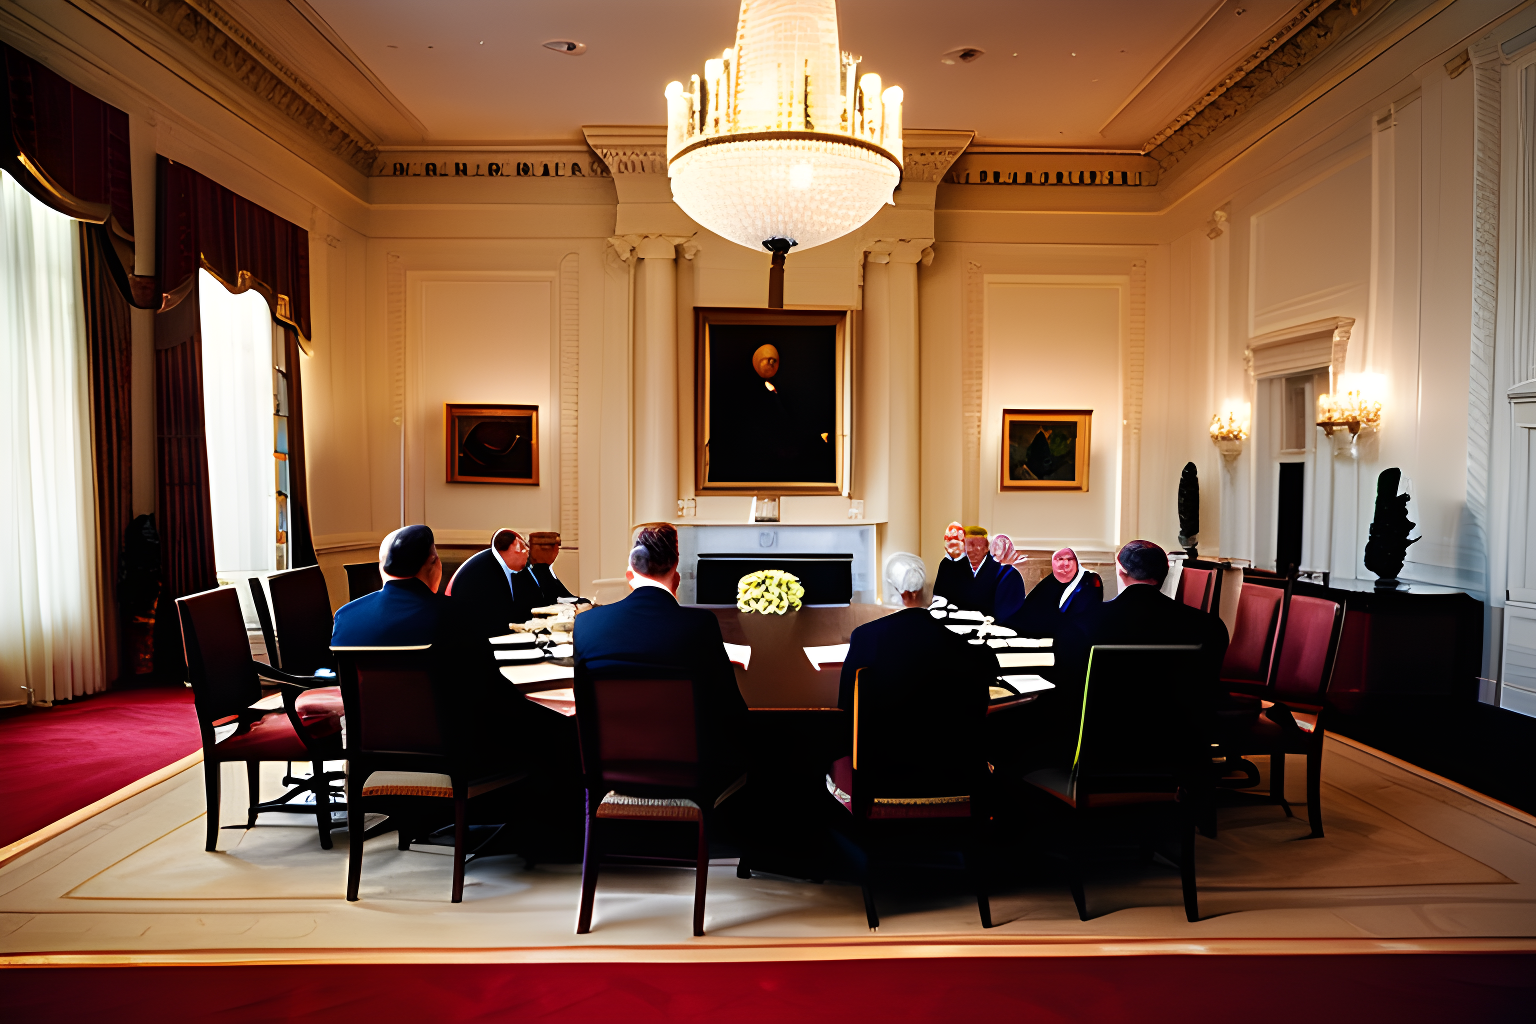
{"points": [[569, 47], [964, 55]]}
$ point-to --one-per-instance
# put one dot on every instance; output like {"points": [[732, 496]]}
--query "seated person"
{"points": [[929, 686], [650, 630], [406, 609], [543, 549], [913, 640], [491, 590], [980, 584], [1070, 590], [950, 575]]}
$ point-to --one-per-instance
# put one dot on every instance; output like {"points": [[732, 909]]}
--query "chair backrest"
{"points": [[1147, 718], [264, 619], [389, 702], [1253, 639], [301, 613], [1308, 645], [218, 653], [362, 578], [909, 743], [637, 727], [1195, 588]]}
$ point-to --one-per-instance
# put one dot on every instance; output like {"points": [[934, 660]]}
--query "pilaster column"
{"points": [[890, 350]]}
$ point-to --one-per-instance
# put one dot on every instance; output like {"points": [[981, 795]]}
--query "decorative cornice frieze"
{"points": [[217, 37], [1313, 29], [629, 149]]}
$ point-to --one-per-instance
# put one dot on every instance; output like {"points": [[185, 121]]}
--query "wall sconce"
{"points": [[1229, 430], [1353, 409]]}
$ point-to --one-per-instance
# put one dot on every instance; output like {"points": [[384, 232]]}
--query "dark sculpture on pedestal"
{"points": [[1189, 510], [1387, 547]]}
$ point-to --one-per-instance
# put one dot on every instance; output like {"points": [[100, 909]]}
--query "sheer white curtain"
{"points": [[237, 410], [50, 627]]}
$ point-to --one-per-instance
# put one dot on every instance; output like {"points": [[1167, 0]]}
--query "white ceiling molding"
{"points": [[1304, 347]]}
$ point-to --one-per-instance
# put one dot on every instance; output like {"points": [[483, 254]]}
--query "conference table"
{"points": [[779, 675]]}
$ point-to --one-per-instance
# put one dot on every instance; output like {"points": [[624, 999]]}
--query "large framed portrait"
{"points": [[771, 401], [493, 444], [1046, 449]]}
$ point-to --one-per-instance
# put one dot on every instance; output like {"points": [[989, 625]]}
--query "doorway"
{"points": [[1293, 492]]}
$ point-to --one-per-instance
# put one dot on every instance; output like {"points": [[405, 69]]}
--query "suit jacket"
{"points": [[482, 710], [550, 587], [993, 589], [650, 630], [1041, 613], [481, 596], [929, 700]]}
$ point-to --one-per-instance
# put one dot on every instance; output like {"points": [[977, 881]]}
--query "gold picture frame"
{"points": [[492, 444], [770, 429], [1046, 449]]}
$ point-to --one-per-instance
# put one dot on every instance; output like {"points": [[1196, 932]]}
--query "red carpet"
{"points": [[1404, 988], [54, 761]]}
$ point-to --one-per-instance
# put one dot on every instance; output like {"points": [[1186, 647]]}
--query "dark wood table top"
{"points": [[782, 677]]}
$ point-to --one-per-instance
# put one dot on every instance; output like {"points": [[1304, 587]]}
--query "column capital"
{"points": [[897, 250], [651, 247]]}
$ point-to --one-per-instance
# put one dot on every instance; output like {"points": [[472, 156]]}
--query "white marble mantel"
{"points": [[855, 537]]}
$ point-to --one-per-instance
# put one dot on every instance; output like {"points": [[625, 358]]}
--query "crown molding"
{"points": [[241, 59]]}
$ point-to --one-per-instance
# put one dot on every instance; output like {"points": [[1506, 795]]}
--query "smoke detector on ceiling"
{"points": [[569, 47], [963, 55]]}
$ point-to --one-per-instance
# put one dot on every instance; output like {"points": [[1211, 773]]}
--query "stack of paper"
{"points": [[1028, 684], [527, 675], [740, 654], [1026, 659], [831, 654]]}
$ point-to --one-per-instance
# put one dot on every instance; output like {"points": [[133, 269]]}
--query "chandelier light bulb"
{"points": [[782, 137]]}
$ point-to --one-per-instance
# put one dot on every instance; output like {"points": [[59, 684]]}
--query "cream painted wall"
{"points": [[1054, 342], [479, 337]]}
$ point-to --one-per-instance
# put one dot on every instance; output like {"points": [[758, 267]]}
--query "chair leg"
{"points": [[1315, 785], [1187, 870], [870, 914], [211, 770], [701, 879], [253, 785], [975, 866], [460, 807], [589, 863], [355, 831], [322, 805], [1277, 782], [1074, 867]]}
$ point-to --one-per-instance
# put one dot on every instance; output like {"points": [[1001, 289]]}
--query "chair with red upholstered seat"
{"points": [[226, 681], [1143, 744], [1307, 647], [400, 750], [916, 777], [645, 760], [1200, 588], [1246, 666]]}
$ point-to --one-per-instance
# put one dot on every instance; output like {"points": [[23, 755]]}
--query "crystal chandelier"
{"points": [[783, 143]]}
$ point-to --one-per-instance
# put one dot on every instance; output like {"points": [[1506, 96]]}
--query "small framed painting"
{"points": [[493, 444], [1046, 449]]}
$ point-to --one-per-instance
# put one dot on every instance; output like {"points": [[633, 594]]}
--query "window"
{"points": [[50, 617], [246, 429]]}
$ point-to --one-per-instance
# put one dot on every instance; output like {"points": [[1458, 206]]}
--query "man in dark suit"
{"points": [[650, 630], [978, 582], [543, 549], [406, 610], [493, 588]]}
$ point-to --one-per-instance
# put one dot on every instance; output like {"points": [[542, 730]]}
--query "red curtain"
{"points": [[109, 335], [70, 151], [204, 224]]}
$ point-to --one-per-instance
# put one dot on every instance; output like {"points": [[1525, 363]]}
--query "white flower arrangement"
{"points": [[769, 591]]}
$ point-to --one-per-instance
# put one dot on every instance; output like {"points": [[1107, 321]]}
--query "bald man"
{"points": [[406, 609], [492, 589]]}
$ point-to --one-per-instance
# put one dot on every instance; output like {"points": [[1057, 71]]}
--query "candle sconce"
{"points": [[1345, 415], [1228, 432]]}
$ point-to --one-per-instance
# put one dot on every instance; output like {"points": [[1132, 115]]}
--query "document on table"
{"points": [[1028, 684], [528, 675], [739, 654], [962, 630], [1019, 641], [1026, 659], [831, 654]]}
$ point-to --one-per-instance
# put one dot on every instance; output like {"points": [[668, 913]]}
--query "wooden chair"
{"points": [[1308, 646], [644, 760], [399, 750], [297, 627], [1200, 588], [362, 578], [895, 798], [1247, 664], [226, 681], [1144, 739]]}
